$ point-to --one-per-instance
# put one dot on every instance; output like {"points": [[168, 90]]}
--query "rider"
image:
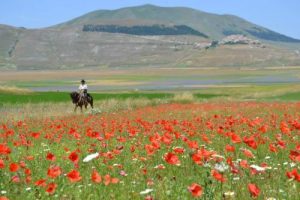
{"points": [[83, 89]]}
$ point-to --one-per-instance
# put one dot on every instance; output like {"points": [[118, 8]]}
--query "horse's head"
{"points": [[74, 97]]}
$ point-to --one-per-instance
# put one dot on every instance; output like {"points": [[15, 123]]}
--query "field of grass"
{"points": [[217, 141], [225, 150], [277, 92], [44, 97]]}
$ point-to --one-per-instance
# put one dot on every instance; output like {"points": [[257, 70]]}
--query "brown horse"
{"points": [[80, 101]]}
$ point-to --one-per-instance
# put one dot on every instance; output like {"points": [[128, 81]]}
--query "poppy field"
{"points": [[228, 150]]}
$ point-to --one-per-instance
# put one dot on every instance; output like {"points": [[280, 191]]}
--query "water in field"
{"points": [[171, 84], [150, 79]]}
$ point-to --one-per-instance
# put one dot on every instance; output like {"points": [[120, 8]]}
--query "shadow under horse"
{"points": [[81, 101]]}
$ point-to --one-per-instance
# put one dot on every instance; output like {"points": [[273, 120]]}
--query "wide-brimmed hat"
{"points": [[82, 81]]}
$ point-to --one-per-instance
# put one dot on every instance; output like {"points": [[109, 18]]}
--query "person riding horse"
{"points": [[82, 98], [83, 89]]}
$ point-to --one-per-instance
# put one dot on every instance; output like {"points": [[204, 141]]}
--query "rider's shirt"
{"points": [[83, 87]]}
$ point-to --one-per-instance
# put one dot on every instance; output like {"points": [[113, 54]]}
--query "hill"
{"points": [[216, 26], [148, 36]]}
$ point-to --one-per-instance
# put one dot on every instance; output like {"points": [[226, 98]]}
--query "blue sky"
{"points": [[279, 15]]}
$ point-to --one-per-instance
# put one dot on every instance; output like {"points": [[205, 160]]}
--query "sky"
{"points": [[282, 16]]}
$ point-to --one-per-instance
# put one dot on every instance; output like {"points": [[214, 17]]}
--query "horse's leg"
{"points": [[81, 108], [75, 108]]}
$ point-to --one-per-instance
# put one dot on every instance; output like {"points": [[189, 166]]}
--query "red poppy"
{"points": [[250, 142], [193, 144], [172, 159], [107, 179], [294, 155], [179, 150], [248, 153], [2, 165], [150, 149], [229, 148], [74, 176], [197, 158], [41, 182], [253, 189], [263, 129], [244, 164], [273, 148], [4, 198], [13, 167], [51, 187], [28, 179], [74, 157], [285, 128], [50, 157], [195, 189], [4, 149], [29, 157], [35, 135], [22, 164], [54, 171], [115, 180], [15, 179], [293, 174], [235, 138], [146, 198], [27, 172], [218, 176], [96, 178]]}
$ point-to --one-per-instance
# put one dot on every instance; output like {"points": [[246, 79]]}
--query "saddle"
{"points": [[83, 96]]}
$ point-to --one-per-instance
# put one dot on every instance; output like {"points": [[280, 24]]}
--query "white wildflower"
{"points": [[292, 164], [90, 157], [221, 167], [206, 165], [228, 195], [146, 191], [217, 156], [258, 168]]}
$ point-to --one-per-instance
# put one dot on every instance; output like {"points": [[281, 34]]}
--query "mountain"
{"points": [[149, 36], [216, 26]]}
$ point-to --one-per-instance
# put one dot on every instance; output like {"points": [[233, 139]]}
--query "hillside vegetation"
{"points": [[144, 30]]}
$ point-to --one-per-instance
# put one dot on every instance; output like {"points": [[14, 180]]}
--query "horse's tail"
{"points": [[91, 101]]}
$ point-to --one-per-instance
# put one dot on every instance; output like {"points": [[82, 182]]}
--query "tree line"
{"points": [[144, 30]]}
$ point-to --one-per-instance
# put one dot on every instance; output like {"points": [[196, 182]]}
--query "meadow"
{"points": [[218, 141], [230, 150]]}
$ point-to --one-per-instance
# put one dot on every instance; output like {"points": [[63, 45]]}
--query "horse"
{"points": [[80, 101]]}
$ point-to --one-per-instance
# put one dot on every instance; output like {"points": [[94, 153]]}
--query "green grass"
{"points": [[208, 96], [39, 97], [292, 96], [44, 97]]}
